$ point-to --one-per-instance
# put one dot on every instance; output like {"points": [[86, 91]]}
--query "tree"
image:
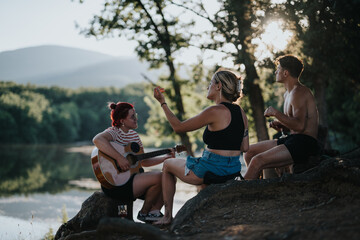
{"points": [[30, 114], [235, 25], [26, 110], [194, 92], [159, 35], [330, 35], [8, 127]]}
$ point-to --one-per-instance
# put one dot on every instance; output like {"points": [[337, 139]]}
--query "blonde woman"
{"points": [[226, 136]]}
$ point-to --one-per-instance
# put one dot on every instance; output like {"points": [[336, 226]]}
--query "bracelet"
{"points": [[163, 104], [246, 133]]}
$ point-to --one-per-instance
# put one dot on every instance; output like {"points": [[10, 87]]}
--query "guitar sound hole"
{"points": [[135, 147]]}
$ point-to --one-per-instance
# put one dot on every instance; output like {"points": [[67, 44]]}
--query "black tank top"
{"points": [[229, 138]]}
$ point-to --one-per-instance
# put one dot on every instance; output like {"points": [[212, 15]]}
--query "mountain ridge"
{"points": [[51, 65]]}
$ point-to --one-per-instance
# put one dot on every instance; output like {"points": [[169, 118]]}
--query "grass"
{"points": [[64, 218]]}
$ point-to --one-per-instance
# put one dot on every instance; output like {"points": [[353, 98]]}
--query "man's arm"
{"points": [[296, 119]]}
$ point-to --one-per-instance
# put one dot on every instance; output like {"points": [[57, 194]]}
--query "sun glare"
{"points": [[272, 40], [275, 36]]}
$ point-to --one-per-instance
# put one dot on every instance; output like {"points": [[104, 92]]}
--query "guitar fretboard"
{"points": [[151, 154]]}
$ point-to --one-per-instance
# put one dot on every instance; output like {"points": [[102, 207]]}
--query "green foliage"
{"points": [[30, 114], [326, 36], [343, 110], [235, 25], [159, 32], [34, 179], [194, 93], [26, 110], [8, 127], [28, 168], [66, 122], [157, 28], [329, 35]]}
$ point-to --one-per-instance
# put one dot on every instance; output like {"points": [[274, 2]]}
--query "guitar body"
{"points": [[106, 170], [110, 175]]}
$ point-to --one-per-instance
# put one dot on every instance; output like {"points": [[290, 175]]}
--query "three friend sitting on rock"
{"points": [[226, 136]]}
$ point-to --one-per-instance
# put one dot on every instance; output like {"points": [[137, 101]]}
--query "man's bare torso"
{"points": [[300, 103]]}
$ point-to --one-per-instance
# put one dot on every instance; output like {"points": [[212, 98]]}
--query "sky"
{"points": [[29, 23]]}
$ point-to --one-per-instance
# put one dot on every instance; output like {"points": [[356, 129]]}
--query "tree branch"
{"points": [[195, 12]]}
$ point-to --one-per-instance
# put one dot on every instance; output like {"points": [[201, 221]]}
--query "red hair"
{"points": [[119, 111]]}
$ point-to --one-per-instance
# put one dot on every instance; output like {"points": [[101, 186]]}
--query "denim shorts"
{"points": [[217, 164]]}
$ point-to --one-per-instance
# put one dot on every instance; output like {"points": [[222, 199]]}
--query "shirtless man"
{"points": [[300, 117]]}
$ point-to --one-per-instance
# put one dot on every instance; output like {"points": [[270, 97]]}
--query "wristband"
{"points": [[163, 104], [246, 133]]}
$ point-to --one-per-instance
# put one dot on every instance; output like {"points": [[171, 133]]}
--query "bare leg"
{"points": [[269, 173], [278, 156], [150, 185], [282, 170], [169, 186], [173, 168], [158, 203], [257, 148]]}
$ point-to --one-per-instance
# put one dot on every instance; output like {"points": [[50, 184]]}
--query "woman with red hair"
{"points": [[145, 185]]}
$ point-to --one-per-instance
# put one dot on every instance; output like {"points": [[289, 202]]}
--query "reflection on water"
{"points": [[29, 169], [36, 184], [38, 181]]}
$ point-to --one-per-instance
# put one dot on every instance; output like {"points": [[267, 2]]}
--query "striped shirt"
{"points": [[122, 137]]}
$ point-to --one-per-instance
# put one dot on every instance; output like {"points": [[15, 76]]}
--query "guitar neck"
{"points": [[152, 154]]}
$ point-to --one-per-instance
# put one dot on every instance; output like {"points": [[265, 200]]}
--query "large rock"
{"points": [[321, 203], [97, 219], [96, 207]]}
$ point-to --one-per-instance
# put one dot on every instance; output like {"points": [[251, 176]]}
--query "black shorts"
{"points": [[122, 193], [300, 146]]}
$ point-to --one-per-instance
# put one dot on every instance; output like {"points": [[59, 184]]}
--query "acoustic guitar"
{"points": [[107, 170]]}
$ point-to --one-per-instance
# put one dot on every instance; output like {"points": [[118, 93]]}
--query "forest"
{"points": [[31, 114], [325, 35]]}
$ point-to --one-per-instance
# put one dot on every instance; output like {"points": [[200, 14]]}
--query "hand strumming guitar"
{"points": [[123, 163]]}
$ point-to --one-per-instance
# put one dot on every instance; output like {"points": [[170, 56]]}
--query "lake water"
{"points": [[41, 184]]}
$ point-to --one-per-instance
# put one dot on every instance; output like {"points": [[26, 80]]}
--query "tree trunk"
{"points": [[257, 104], [179, 106], [255, 97], [320, 96]]}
